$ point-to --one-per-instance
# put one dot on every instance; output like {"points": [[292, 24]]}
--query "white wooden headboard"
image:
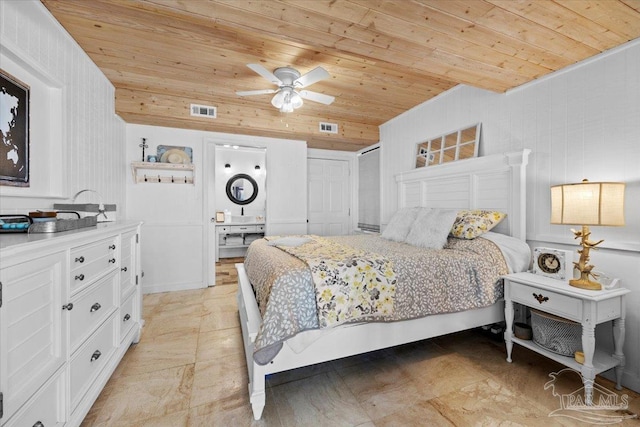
{"points": [[495, 182]]}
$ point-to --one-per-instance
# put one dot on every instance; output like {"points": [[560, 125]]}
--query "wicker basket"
{"points": [[556, 334]]}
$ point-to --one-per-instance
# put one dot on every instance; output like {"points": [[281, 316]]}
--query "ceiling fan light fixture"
{"points": [[296, 100], [287, 100], [278, 99], [286, 108]]}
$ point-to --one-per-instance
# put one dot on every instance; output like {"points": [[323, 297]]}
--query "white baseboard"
{"points": [[629, 380], [169, 287]]}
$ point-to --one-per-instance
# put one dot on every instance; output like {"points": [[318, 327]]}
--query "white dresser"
{"points": [[70, 309]]}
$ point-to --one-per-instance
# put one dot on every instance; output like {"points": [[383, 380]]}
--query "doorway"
{"points": [[329, 197]]}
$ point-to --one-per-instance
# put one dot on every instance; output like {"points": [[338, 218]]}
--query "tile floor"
{"points": [[189, 370]]}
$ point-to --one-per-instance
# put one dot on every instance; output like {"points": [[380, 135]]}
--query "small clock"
{"points": [[553, 263]]}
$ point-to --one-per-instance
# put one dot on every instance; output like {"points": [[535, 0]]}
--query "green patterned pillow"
{"points": [[471, 224]]}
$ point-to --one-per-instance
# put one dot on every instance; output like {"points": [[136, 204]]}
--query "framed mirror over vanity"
{"points": [[240, 181], [242, 189]]}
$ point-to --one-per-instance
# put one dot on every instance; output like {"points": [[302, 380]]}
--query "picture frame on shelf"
{"points": [[174, 154]]}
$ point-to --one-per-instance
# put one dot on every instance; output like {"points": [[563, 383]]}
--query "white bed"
{"points": [[495, 182]]}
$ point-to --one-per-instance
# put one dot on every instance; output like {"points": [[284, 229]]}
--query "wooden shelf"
{"points": [[163, 173], [602, 361]]}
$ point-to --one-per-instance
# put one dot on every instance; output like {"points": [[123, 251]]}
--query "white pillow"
{"points": [[400, 224], [431, 228], [293, 241]]}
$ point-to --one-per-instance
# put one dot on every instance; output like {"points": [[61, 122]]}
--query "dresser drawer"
{"points": [[91, 261], [91, 358], [46, 406], [548, 301], [128, 315], [90, 308]]}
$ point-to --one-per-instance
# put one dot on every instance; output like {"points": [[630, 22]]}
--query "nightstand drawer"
{"points": [[548, 301]]}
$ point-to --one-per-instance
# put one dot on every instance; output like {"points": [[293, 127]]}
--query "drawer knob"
{"points": [[112, 246], [38, 424], [540, 298], [80, 260], [123, 269], [126, 317], [96, 355], [95, 307], [80, 277], [68, 306], [112, 261]]}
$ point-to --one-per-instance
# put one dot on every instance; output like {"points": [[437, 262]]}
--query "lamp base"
{"points": [[585, 284]]}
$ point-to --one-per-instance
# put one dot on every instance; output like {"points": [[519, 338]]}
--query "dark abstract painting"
{"points": [[14, 131]]}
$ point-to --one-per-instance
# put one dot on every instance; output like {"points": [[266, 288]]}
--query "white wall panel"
{"points": [[580, 122], [176, 218], [81, 144]]}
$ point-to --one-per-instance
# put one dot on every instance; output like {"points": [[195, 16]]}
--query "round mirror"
{"points": [[242, 189]]}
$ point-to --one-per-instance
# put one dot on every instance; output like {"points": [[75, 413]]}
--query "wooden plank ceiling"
{"points": [[384, 56]]}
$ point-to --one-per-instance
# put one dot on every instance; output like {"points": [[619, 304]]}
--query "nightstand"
{"points": [[586, 307]]}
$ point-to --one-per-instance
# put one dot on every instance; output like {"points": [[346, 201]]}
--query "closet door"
{"points": [[329, 197]]}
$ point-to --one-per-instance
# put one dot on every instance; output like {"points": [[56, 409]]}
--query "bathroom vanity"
{"points": [[233, 238]]}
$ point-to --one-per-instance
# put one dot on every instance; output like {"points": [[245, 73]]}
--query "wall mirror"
{"points": [[457, 145], [242, 189]]}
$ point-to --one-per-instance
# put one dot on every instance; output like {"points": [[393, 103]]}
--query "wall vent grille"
{"points": [[203, 111], [328, 127]]}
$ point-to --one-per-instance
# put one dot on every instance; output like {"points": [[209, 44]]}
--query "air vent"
{"points": [[328, 127], [203, 111]]}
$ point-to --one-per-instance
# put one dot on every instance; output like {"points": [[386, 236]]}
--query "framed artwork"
{"points": [[14, 131], [457, 145]]}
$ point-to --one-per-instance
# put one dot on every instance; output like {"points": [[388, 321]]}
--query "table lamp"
{"points": [[587, 203]]}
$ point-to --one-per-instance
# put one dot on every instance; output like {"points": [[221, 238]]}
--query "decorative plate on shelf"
{"points": [[175, 154]]}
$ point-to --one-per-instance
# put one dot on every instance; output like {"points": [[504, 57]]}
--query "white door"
{"points": [[329, 197]]}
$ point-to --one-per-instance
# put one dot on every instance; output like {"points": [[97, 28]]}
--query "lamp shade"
{"points": [[588, 203]]}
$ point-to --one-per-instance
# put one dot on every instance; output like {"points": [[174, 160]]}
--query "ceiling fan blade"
{"points": [[265, 73], [255, 92], [311, 77], [317, 97]]}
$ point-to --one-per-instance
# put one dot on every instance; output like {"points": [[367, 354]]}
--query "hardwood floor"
{"points": [[189, 370], [226, 273]]}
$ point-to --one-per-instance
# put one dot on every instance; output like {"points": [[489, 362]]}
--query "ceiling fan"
{"points": [[288, 95]]}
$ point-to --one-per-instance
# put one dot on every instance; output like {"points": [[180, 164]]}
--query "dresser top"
{"points": [[11, 243]]}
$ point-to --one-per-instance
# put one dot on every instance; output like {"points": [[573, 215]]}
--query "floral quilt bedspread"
{"points": [[462, 276], [350, 283]]}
